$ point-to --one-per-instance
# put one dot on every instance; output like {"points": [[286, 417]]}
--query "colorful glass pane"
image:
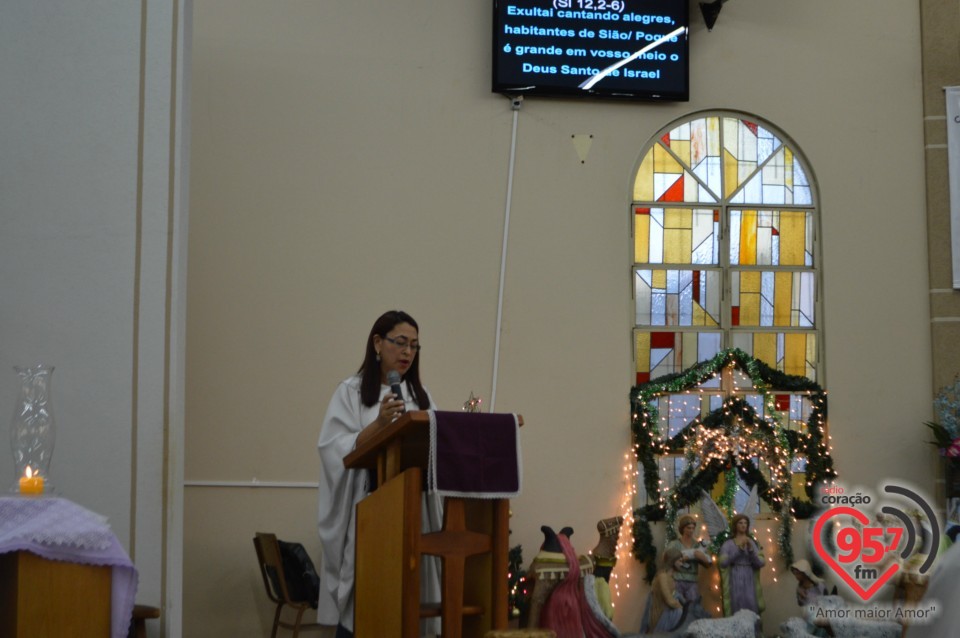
{"points": [[677, 297], [671, 468], [780, 180], [789, 352], [773, 298], [643, 182], [661, 353], [746, 146], [697, 145], [686, 195], [684, 166], [676, 236], [771, 237], [794, 410], [676, 412]]}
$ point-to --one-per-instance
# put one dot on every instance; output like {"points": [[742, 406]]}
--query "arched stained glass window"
{"points": [[725, 224]]}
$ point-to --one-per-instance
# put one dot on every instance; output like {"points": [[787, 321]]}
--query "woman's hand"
{"points": [[390, 409]]}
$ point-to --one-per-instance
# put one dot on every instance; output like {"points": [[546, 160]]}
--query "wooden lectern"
{"points": [[473, 544]]}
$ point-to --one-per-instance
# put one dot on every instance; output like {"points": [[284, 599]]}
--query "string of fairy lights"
{"points": [[742, 437]]}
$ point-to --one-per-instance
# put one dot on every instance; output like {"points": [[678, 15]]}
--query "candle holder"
{"points": [[33, 430]]}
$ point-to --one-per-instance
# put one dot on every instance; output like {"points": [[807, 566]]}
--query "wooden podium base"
{"points": [[472, 546], [40, 597], [390, 548]]}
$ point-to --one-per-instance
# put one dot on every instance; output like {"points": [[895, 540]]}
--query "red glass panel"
{"points": [[674, 193], [782, 402], [662, 339]]}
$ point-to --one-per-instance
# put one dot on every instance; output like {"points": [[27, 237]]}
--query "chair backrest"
{"points": [[271, 567]]}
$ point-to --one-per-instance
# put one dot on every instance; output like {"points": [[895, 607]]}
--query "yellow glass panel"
{"points": [[701, 317], [713, 136], [782, 298], [719, 488], [730, 181], [798, 485], [788, 167], [664, 162], [677, 235], [811, 353], [643, 184], [641, 239], [643, 351], [765, 348], [748, 237], [749, 309], [750, 282], [676, 245], [749, 299], [658, 279], [794, 353], [689, 350], [678, 218], [682, 149], [793, 238]]}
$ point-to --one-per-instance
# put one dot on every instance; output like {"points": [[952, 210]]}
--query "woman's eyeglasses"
{"points": [[403, 344]]}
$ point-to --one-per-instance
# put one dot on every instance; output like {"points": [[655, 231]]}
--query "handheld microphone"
{"points": [[393, 378]]}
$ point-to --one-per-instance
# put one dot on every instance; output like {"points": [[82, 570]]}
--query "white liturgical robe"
{"points": [[340, 491]]}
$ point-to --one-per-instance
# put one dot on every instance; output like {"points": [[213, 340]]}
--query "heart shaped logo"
{"points": [[854, 545]]}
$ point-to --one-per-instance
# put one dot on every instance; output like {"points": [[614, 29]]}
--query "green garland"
{"points": [[699, 477]]}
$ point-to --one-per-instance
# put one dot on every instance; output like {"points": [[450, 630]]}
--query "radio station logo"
{"points": [[866, 547]]}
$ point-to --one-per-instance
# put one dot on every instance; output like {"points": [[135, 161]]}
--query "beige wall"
{"points": [[92, 246], [349, 158]]}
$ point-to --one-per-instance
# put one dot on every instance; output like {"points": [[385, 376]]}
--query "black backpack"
{"points": [[303, 583]]}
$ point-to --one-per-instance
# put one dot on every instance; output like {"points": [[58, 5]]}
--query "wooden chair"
{"points": [[271, 568], [141, 613]]}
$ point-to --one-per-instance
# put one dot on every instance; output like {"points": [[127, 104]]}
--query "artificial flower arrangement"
{"points": [[946, 430]]}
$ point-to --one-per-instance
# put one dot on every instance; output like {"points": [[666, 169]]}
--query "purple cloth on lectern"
{"points": [[58, 529], [474, 455]]}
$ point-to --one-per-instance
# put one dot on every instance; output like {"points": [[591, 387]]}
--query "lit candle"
{"points": [[30, 483]]}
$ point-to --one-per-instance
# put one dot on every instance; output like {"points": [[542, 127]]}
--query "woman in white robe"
{"points": [[361, 401]]}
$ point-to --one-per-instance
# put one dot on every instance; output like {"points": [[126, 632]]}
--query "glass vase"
{"points": [[33, 430]]}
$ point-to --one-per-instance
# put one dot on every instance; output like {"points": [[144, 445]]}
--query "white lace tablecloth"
{"points": [[58, 529]]}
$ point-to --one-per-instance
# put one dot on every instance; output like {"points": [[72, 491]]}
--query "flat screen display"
{"points": [[592, 48]]}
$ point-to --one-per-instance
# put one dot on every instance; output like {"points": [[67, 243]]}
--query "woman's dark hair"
{"points": [[370, 368]]}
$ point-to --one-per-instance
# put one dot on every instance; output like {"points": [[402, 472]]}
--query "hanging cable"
{"points": [[515, 104]]}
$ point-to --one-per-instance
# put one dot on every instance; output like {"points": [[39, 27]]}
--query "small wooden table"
{"points": [[63, 572], [40, 597]]}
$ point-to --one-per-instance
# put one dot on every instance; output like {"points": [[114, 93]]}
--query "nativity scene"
{"points": [[720, 447]]}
